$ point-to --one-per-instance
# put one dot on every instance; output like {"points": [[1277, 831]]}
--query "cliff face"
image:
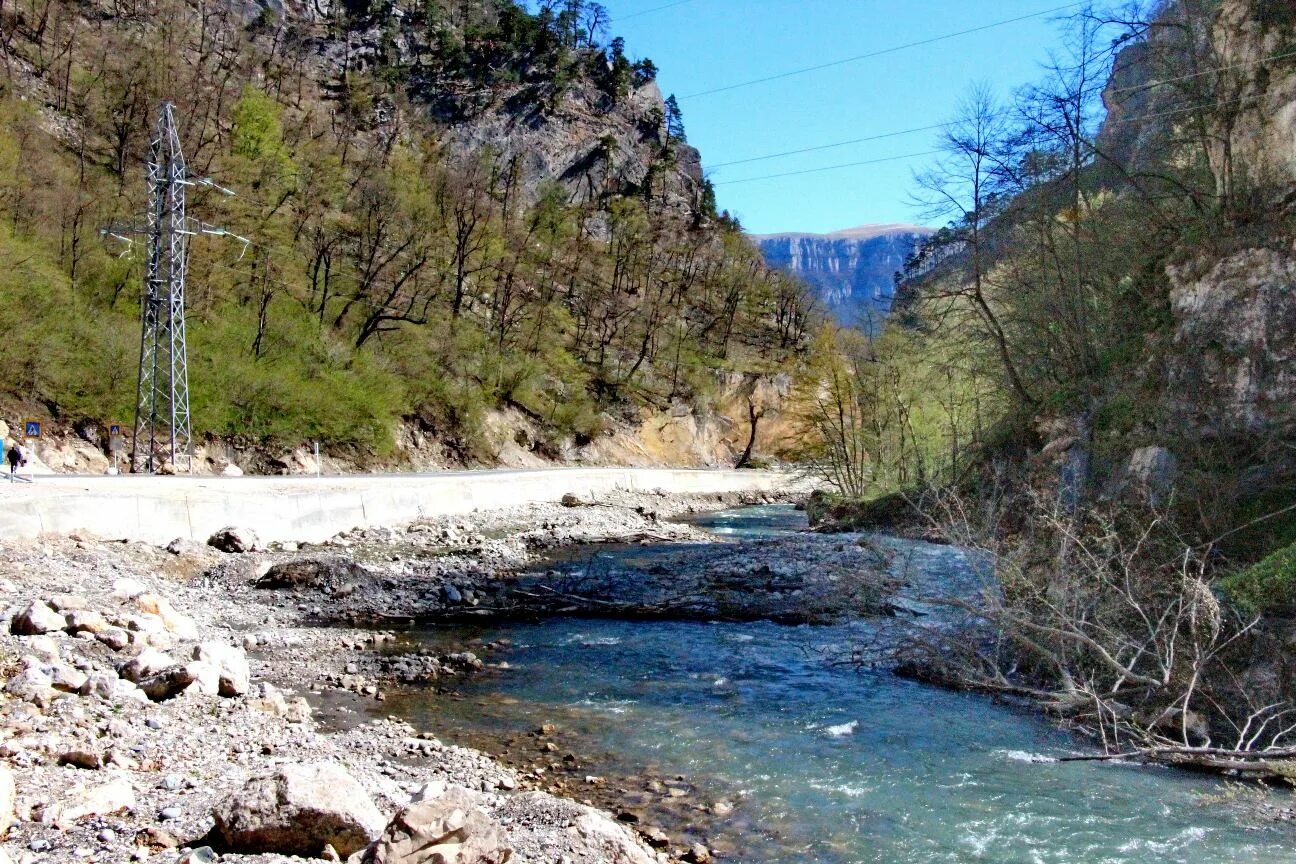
{"points": [[572, 132], [853, 271], [1232, 367]]}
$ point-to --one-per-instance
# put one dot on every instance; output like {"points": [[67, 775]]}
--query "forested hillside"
{"points": [[449, 207], [1091, 376]]}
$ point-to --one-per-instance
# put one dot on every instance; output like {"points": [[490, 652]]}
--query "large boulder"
{"points": [[36, 619], [234, 539], [230, 664], [311, 573], [448, 829], [298, 810]]}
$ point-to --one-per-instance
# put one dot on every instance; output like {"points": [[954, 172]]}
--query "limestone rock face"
{"points": [[1234, 362], [298, 810], [852, 271], [447, 829]]}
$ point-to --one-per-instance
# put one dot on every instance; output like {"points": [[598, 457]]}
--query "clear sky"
{"points": [[704, 44]]}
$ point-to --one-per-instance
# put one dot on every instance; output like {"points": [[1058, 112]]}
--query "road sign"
{"points": [[114, 430], [32, 428]]}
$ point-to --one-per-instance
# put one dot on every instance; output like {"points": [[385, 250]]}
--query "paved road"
{"points": [[307, 508]]}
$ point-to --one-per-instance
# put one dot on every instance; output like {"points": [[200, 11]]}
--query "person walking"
{"points": [[15, 456]]}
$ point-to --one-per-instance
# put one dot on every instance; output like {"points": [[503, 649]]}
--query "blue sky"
{"points": [[703, 44]]}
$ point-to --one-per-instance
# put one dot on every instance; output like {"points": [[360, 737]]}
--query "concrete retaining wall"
{"points": [[159, 509]]}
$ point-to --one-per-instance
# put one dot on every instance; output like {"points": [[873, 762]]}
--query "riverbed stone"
{"points": [[297, 810], [32, 684], [173, 620], [8, 796], [86, 621], [231, 666], [37, 618], [235, 539], [449, 828], [146, 664], [99, 799]]}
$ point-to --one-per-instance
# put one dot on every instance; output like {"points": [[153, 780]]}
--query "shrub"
{"points": [[1267, 586]]}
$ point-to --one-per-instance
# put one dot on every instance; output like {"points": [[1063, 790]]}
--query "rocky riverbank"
{"points": [[187, 698]]}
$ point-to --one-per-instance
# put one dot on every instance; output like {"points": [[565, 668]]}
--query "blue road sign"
{"points": [[114, 431], [32, 428]]}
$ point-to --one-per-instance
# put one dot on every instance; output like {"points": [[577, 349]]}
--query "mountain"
{"points": [[852, 271], [472, 230]]}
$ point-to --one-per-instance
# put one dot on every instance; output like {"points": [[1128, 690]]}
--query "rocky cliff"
{"points": [[593, 136], [852, 271]]}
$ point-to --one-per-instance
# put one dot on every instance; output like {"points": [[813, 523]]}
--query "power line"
{"points": [[828, 168], [885, 51], [1142, 118], [649, 11], [815, 149], [934, 127]]}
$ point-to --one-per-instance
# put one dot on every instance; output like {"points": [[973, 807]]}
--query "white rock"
{"points": [[298, 810], [114, 637], [232, 470], [175, 621], [37, 618], [86, 620], [67, 679], [128, 589], [231, 663], [206, 678], [43, 647], [450, 827], [98, 800]]}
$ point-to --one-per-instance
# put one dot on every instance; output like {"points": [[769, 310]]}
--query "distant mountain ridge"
{"points": [[852, 271]]}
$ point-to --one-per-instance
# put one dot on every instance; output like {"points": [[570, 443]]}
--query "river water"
{"points": [[833, 765]]}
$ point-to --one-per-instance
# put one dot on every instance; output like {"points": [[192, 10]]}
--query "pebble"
{"points": [[40, 844], [172, 783], [154, 723], [106, 835], [166, 814]]}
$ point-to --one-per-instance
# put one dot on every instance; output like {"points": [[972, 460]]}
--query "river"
{"points": [[828, 764]]}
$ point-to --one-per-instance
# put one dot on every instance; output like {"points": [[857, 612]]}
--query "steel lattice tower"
{"points": [[162, 427]]}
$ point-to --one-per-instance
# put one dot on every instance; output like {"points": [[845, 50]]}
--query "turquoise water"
{"points": [[833, 765]]}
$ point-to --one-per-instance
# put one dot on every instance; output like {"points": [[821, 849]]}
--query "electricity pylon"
{"points": [[163, 430]]}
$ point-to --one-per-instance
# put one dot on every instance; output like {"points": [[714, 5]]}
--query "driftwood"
{"points": [[1277, 764]]}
